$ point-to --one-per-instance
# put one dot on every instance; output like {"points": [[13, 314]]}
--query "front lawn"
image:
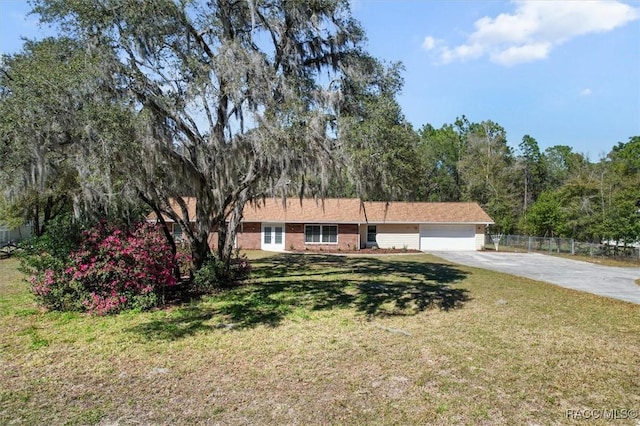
{"points": [[320, 339]]}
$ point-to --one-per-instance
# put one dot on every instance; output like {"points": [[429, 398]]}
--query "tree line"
{"points": [[554, 192], [137, 103]]}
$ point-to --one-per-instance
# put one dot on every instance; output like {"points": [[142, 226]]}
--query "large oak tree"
{"points": [[233, 100]]}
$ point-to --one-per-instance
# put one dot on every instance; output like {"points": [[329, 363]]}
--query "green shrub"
{"points": [[214, 273], [53, 249]]}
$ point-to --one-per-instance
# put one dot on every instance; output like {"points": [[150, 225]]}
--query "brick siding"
{"points": [[249, 236], [347, 238]]}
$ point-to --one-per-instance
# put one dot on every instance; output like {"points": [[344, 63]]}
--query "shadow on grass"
{"points": [[182, 322], [297, 284]]}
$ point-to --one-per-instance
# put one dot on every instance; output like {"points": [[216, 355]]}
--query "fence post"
{"points": [[496, 240], [573, 246], [529, 246], [549, 245]]}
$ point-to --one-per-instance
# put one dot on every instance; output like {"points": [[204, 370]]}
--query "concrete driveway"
{"points": [[608, 281]]}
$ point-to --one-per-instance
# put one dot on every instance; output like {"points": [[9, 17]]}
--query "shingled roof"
{"points": [[352, 210]]}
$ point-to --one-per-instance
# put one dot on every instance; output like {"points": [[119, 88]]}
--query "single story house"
{"points": [[349, 224]]}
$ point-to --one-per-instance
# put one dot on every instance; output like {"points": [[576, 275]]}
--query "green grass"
{"points": [[316, 339]]}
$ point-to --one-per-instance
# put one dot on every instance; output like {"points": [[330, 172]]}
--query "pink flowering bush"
{"points": [[112, 269]]}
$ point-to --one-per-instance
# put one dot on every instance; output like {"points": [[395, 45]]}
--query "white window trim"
{"points": [[321, 234], [272, 245]]}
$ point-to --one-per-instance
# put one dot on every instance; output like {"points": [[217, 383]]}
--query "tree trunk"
{"points": [[224, 253], [228, 230], [48, 208], [36, 221], [226, 241], [526, 190], [199, 251]]}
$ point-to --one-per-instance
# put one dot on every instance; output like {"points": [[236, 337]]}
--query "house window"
{"points": [[327, 234], [330, 234], [177, 233], [371, 234], [267, 235], [312, 233], [278, 235]]}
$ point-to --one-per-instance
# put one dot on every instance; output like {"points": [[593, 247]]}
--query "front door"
{"points": [[272, 236]]}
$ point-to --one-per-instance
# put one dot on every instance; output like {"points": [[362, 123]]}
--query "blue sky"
{"points": [[564, 72]]}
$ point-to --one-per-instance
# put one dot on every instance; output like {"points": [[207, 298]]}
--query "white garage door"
{"points": [[447, 237]]}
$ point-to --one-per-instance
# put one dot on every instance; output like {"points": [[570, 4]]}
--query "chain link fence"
{"points": [[564, 245], [8, 235]]}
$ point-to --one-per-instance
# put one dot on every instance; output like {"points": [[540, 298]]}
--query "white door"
{"points": [[447, 237], [272, 236]]}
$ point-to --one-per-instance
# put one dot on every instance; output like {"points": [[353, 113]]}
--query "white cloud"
{"points": [[535, 27], [520, 54], [429, 43], [462, 52], [585, 92]]}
